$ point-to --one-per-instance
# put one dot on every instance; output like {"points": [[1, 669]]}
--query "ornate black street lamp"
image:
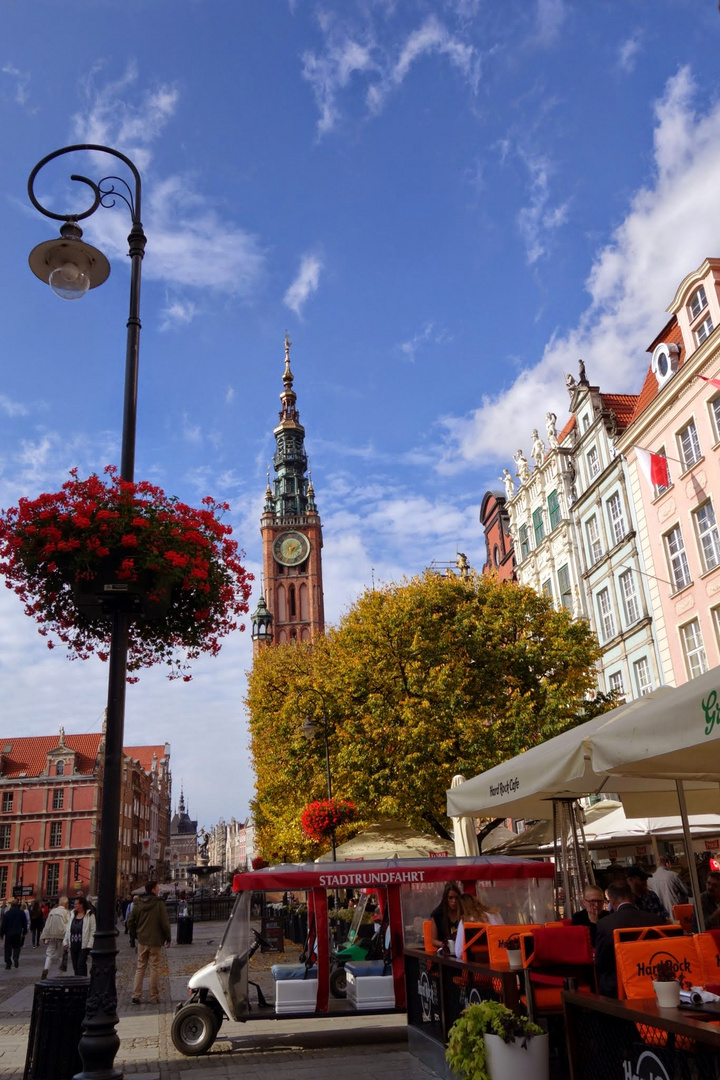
{"points": [[310, 730], [71, 267]]}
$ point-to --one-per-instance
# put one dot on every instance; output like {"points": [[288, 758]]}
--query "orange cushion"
{"points": [[637, 962]]}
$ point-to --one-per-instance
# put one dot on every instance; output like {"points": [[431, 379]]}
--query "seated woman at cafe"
{"points": [[473, 910], [446, 918], [593, 910]]}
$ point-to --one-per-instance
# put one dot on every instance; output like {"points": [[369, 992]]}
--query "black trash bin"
{"points": [[184, 933], [56, 1022]]}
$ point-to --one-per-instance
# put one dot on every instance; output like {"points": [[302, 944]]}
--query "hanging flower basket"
{"points": [[102, 545], [321, 818]]}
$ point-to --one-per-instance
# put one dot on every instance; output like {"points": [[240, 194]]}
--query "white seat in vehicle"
{"points": [[295, 988], [370, 985]]}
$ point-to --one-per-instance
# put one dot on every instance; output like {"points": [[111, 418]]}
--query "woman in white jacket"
{"points": [[80, 935]]}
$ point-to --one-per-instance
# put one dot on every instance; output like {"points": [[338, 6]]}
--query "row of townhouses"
{"points": [[614, 515]]}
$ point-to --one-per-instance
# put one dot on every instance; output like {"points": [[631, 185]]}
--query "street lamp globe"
{"points": [[69, 265], [309, 729]]}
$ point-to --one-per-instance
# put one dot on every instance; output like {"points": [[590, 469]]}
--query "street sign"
{"points": [[23, 890]]}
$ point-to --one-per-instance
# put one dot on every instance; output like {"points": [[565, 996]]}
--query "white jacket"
{"points": [[56, 924], [88, 931]]}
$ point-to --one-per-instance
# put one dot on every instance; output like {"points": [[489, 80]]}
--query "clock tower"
{"points": [[291, 605]]}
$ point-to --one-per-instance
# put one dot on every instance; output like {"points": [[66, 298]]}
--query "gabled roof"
{"points": [[570, 426], [27, 756]]}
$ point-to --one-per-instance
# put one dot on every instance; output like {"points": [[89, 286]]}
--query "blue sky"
{"points": [[445, 203]]}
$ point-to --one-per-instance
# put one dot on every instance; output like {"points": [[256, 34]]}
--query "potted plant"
{"points": [[512, 945], [490, 1042], [102, 545], [667, 985], [322, 817]]}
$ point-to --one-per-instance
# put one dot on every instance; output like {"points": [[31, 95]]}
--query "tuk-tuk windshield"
{"points": [[236, 939], [358, 913]]}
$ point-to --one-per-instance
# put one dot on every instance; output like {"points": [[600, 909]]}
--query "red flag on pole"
{"points": [[654, 467], [713, 382]]}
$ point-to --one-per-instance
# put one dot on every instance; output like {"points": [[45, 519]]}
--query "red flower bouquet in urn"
{"points": [[322, 817], [104, 544]]}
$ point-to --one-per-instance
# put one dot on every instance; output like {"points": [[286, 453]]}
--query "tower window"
{"points": [[291, 599]]}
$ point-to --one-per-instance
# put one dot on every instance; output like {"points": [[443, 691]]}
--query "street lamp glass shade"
{"points": [[68, 265], [309, 729]]}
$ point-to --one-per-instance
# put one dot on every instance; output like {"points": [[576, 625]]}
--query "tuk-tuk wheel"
{"points": [[338, 982], [194, 1029]]}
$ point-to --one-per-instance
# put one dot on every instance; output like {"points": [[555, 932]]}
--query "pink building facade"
{"points": [[678, 416]]}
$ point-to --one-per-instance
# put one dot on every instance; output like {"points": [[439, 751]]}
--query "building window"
{"points": [[58, 799], [553, 510], [593, 461], [616, 683], [617, 518], [4, 837], [630, 597], [52, 879], [715, 413], [60, 768], [496, 555], [594, 542], [693, 648], [677, 559], [716, 622], [3, 881], [564, 586], [7, 802], [707, 532], [643, 678], [704, 330], [524, 542], [538, 526], [689, 446], [585, 422], [55, 834], [607, 620], [698, 301], [547, 589]]}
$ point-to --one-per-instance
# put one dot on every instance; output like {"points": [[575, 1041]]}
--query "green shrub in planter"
{"points": [[465, 1052]]}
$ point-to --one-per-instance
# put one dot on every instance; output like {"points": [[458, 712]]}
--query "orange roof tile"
{"points": [[623, 405], [28, 755], [670, 335], [572, 422]]}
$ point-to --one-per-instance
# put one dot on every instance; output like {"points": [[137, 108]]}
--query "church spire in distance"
{"points": [[289, 493]]}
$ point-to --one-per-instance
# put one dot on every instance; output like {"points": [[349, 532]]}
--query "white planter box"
{"points": [[509, 1061]]}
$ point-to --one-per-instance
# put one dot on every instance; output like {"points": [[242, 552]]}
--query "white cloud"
{"points": [[550, 16], [429, 333], [12, 408], [539, 218], [177, 312], [21, 82], [190, 243], [628, 52], [670, 227], [332, 71], [431, 37], [229, 395], [305, 283]]}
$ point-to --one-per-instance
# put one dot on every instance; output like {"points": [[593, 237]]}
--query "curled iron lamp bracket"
{"points": [[100, 193]]}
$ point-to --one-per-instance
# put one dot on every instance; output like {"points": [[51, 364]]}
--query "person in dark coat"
{"points": [[593, 910], [13, 929], [624, 914]]}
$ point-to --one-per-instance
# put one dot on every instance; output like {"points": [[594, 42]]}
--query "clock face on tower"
{"points": [[291, 548]]}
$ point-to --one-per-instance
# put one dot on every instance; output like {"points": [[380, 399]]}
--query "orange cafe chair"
{"points": [[641, 933], [474, 945], [550, 956], [637, 963], [559, 923], [497, 937], [683, 914], [708, 950]]}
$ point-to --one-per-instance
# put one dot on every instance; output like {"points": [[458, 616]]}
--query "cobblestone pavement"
{"points": [[353, 1048]]}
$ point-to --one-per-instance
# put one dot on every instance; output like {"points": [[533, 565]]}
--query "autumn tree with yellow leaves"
{"points": [[421, 680]]}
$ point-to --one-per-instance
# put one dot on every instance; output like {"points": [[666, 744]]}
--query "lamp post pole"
{"points": [[310, 728], [71, 267]]}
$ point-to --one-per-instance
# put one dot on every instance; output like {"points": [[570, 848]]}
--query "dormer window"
{"points": [[704, 330], [698, 301], [60, 768], [665, 362]]}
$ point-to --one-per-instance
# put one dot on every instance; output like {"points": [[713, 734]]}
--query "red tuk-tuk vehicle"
{"points": [[407, 891]]}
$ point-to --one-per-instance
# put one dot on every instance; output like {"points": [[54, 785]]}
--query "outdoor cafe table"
{"points": [[438, 988], [636, 1040]]}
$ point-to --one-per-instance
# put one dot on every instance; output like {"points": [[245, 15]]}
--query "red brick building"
{"points": [[50, 798], [495, 521]]}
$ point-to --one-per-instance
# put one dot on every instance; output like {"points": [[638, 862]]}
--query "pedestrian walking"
{"points": [[53, 934], [148, 923], [669, 886], [12, 929], [36, 922], [128, 913], [79, 935]]}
